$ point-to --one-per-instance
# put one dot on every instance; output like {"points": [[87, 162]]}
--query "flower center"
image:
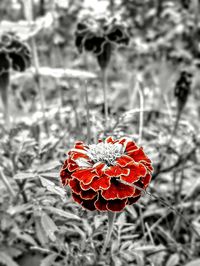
{"points": [[105, 152]]}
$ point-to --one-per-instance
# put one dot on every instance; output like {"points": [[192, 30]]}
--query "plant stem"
{"points": [[104, 81], [111, 219], [4, 87], [87, 113], [141, 112]]}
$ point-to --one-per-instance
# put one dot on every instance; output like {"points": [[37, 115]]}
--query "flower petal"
{"points": [[116, 171], [65, 176], [118, 190], [109, 140], [133, 200], [139, 155], [131, 146], [77, 155], [101, 204], [84, 175], [87, 204], [116, 205], [99, 168], [88, 194], [75, 186], [146, 180], [72, 166], [137, 170], [124, 160]]}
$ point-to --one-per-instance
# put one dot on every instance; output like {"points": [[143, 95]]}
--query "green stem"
{"points": [[111, 219], [87, 113], [4, 87], [104, 80]]}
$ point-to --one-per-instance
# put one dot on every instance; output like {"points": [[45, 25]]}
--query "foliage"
{"points": [[39, 222]]}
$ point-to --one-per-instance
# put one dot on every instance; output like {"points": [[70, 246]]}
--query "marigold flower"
{"points": [[13, 53], [99, 174]]}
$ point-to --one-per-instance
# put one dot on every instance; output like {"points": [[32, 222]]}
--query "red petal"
{"points": [[75, 186], [116, 205], [85, 175], [122, 140], [115, 171], [77, 198], [139, 155], [88, 194], [118, 190], [100, 183], [80, 145], [137, 170], [109, 140], [101, 204], [65, 176], [131, 146], [146, 180], [87, 204], [77, 155], [133, 200], [124, 160], [99, 169], [72, 166]]}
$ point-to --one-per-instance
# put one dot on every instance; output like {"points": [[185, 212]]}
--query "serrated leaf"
{"points": [[7, 260], [49, 226], [193, 263], [61, 213], [49, 260]]}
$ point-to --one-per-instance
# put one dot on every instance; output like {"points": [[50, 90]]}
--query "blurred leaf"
{"points": [[173, 260], [18, 209], [193, 263], [49, 260], [21, 176], [5, 259], [49, 226], [62, 213], [50, 186]]}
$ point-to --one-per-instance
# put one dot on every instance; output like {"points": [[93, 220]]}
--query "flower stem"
{"points": [[111, 219], [4, 86], [141, 111], [104, 81], [87, 113]]}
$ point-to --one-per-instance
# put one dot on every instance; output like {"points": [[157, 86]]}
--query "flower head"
{"points": [[99, 36], [13, 53], [106, 176]]}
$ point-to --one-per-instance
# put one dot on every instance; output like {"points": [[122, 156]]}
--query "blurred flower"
{"points": [[13, 53], [99, 36], [183, 88], [99, 174]]}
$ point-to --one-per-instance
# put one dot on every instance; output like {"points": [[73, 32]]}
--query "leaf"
{"points": [[18, 209], [50, 186], [62, 213], [49, 226], [41, 235], [21, 176], [173, 260], [49, 260], [193, 263], [7, 260]]}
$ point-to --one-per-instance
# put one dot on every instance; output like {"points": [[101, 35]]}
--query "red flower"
{"points": [[99, 174]]}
